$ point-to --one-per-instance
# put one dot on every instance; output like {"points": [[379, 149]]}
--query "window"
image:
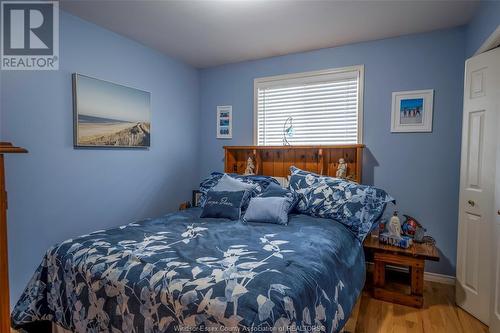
{"points": [[312, 108]]}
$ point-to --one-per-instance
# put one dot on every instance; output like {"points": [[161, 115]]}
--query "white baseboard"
{"points": [[428, 276], [441, 278]]}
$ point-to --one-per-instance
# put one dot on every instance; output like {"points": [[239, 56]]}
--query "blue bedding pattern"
{"points": [[182, 272], [357, 206]]}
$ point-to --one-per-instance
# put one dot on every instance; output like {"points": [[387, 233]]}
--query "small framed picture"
{"points": [[195, 202], [412, 111], [224, 122]]}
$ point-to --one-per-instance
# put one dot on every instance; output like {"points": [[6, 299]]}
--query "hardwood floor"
{"points": [[439, 314]]}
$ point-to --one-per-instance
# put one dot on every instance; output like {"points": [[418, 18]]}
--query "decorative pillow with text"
{"points": [[224, 204]]}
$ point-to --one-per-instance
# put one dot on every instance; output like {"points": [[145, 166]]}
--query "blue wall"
{"points": [[57, 192], [485, 21], [420, 170]]}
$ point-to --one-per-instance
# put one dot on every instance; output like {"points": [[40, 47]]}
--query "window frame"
{"points": [[303, 77]]}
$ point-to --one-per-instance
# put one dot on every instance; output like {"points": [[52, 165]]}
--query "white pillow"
{"points": [[230, 184]]}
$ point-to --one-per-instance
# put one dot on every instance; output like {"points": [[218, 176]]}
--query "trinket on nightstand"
{"points": [[412, 228], [393, 234], [394, 226]]}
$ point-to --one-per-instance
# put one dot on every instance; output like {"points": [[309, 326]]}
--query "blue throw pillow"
{"points": [[224, 204], [274, 190], [268, 210], [300, 182], [359, 207], [260, 182], [356, 206]]}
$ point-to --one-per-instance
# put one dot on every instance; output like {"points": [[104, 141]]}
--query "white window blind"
{"points": [[322, 108]]}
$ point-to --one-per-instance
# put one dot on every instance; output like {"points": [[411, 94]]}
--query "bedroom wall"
{"points": [[421, 170], [484, 22], [57, 192]]}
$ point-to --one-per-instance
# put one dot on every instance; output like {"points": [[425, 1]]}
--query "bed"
{"points": [[181, 272]]}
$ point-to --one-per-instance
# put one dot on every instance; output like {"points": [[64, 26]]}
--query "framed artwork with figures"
{"points": [[412, 111]]}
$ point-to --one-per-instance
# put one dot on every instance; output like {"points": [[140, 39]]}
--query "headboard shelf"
{"points": [[276, 160], [296, 147]]}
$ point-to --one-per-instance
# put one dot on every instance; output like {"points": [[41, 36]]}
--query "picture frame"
{"points": [[224, 122], [412, 111], [110, 115], [195, 201]]}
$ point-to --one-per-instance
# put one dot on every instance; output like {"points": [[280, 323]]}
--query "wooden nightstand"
{"points": [[414, 257], [185, 205]]}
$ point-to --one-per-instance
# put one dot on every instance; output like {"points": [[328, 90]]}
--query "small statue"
{"points": [[394, 226], [341, 169], [250, 169]]}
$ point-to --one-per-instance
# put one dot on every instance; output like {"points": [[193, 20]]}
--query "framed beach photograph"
{"points": [[110, 115], [412, 111], [224, 122]]}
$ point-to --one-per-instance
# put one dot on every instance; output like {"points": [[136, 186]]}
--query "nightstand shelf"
{"points": [[414, 257]]}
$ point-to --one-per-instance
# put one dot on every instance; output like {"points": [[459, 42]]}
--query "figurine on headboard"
{"points": [[341, 169], [250, 169]]}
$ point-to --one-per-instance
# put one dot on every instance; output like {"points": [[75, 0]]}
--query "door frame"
{"points": [[490, 43]]}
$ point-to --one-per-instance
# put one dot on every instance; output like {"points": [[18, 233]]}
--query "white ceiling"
{"points": [[207, 33]]}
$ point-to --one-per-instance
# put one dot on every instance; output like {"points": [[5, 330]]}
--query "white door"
{"points": [[495, 284], [477, 185]]}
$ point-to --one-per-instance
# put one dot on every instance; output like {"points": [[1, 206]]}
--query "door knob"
{"points": [[498, 212], [471, 202]]}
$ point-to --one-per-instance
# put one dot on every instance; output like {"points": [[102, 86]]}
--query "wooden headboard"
{"points": [[276, 160]]}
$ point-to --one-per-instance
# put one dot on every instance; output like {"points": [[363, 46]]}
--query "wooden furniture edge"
{"points": [[9, 148], [398, 298], [296, 147], [5, 148], [416, 270], [415, 251], [275, 160], [413, 257]]}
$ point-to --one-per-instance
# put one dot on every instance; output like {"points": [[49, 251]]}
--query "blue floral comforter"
{"points": [[180, 272]]}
